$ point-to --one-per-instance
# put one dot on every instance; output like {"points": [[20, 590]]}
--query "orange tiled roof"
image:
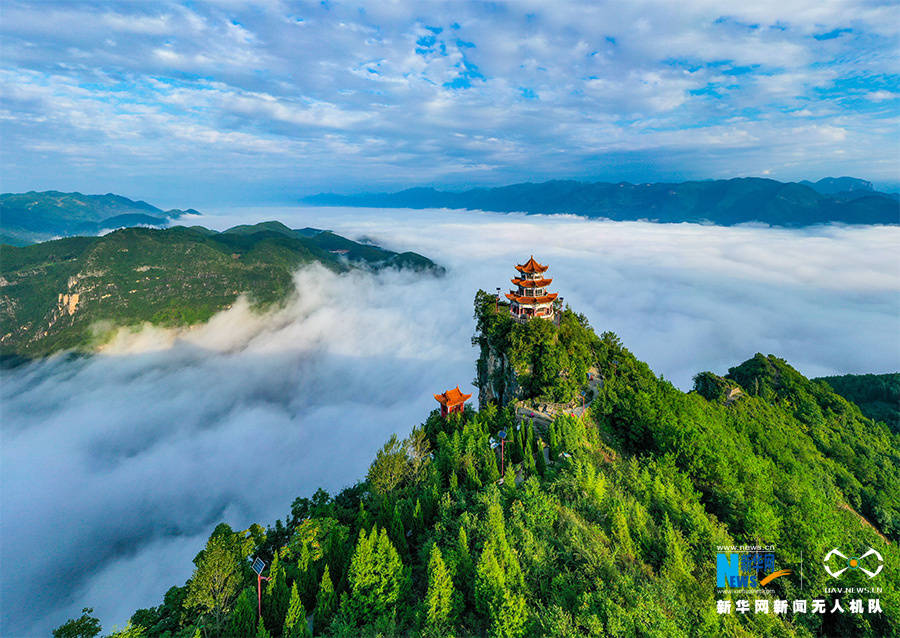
{"points": [[531, 283], [531, 300], [531, 266], [452, 397]]}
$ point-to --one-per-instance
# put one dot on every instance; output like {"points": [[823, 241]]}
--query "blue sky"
{"points": [[194, 103]]}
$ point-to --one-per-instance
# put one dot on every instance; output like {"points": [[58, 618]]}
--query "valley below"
{"points": [[172, 429]]}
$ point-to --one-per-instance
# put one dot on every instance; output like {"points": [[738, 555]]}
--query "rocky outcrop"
{"points": [[496, 380]]}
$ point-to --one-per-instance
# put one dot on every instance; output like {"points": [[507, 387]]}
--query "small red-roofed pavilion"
{"points": [[530, 298], [452, 401]]}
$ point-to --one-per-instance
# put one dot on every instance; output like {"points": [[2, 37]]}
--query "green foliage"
{"points": [[295, 619], [217, 576], [877, 395], [374, 578], [261, 631], [172, 277], [438, 602], [85, 626], [277, 596], [242, 621], [614, 536], [326, 601]]}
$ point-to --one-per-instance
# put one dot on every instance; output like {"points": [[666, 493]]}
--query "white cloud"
{"points": [[138, 452]]}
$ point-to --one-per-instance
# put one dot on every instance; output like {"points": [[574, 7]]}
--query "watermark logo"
{"points": [[746, 570], [837, 563]]}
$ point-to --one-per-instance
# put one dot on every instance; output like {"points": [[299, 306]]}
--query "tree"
{"points": [[216, 578], [389, 467], [326, 601], [130, 631], [277, 596], [85, 626], [295, 620], [541, 461], [374, 577], [439, 595], [261, 630], [243, 619]]}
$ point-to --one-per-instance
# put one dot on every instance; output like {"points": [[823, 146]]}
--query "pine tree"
{"points": [[241, 622], [541, 461], [277, 597], [490, 581], [295, 621], [418, 517], [261, 630], [398, 530], [439, 596], [326, 602], [553, 440], [374, 577], [528, 464]]}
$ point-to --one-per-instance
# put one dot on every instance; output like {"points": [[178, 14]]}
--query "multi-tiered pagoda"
{"points": [[530, 298]]}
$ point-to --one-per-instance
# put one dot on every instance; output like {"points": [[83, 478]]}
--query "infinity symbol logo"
{"points": [[853, 563]]}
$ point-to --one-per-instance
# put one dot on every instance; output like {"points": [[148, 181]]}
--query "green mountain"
{"points": [[605, 524], [70, 293], [27, 218], [723, 202], [877, 395]]}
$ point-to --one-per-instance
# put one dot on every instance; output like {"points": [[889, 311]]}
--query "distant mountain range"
{"points": [[27, 218], [725, 202], [72, 293]]}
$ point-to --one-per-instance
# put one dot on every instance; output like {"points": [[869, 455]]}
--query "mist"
{"points": [[116, 467]]}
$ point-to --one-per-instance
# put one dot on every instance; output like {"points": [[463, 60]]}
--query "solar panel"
{"points": [[258, 566]]}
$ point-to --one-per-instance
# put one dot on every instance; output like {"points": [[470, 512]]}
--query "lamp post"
{"points": [[502, 435], [497, 300], [258, 566]]}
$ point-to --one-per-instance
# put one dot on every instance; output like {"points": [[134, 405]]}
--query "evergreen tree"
{"points": [[295, 620], [528, 463], [418, 517], [242, 621], [261, 630], [398, 530], [553, 441], [277, 597], [326, 602], [439, 595], [490, 581], [541, 461], [374, 577]]}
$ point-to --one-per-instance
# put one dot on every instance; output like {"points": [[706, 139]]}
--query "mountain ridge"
{"points": [[723, 202], [52, 294], [36, 216]]}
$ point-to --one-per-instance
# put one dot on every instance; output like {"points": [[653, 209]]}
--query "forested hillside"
{"points": [[27, 218], [603, 525], [877, 395], [70, 293]]}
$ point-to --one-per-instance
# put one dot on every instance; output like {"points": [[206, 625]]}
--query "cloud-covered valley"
{"points": [[116, 467]]}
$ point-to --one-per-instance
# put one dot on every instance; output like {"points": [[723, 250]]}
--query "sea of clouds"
{"points": [[116, 467]]}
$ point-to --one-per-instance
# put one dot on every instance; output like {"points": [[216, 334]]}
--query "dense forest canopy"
{"points": [[604, 525]]}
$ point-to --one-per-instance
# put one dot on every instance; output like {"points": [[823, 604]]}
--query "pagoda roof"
{"points": [[531, 283], [453, 396], [529, 301], [531, 266]]}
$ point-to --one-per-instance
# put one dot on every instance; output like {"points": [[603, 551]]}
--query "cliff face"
{"points": [[497, 382]]}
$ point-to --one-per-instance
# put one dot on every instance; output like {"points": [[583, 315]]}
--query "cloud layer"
{"points": [[186, 103], [115, 468]]}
